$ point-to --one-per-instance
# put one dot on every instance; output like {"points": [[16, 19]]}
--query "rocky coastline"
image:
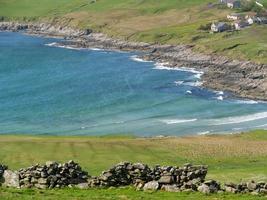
{"points": [[241, 78], [186, 178]]}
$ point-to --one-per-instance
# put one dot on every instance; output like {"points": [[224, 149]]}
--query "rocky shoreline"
{"points": [[189, 178], [243, 79]]}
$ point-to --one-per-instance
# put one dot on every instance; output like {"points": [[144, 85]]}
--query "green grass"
{"points": [[155, 21], [113, 194], [233, 158]]}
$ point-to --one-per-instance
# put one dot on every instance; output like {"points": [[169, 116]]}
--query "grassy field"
{"points": [[155, 21], [233, 158], [114, 194]]}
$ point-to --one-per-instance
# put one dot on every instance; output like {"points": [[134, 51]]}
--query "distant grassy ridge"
{"points": [[155, 21], [229, 157]]}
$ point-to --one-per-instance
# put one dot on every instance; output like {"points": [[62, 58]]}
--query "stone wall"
{"points": [[2, 170], [168, 178]]}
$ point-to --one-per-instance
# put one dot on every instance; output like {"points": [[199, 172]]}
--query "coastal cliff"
{"points": [[242, 78]]}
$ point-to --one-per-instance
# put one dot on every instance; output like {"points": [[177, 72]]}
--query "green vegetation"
{"points": [[234, 158], [156, 21], [112, 194]]}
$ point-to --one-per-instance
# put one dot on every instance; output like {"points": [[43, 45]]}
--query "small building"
{"points": [[240, 24], [235, 16], [219, 27], [251, 20], [251, 17], [231, 3]]}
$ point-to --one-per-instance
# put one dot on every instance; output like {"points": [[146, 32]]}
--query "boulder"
{"points": [[82, 186], [152, 185], [170, 188], [252, 185], [11, 179], [230, 189], [204, 189], [166, 180]]}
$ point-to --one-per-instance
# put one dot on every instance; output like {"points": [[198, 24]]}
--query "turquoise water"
{"points": [[50, 90]]}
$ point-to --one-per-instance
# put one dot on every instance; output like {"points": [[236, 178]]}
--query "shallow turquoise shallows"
{"points": [[50, 90]]}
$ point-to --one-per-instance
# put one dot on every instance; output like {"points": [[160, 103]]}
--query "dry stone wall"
{"points": [[168, 178]]}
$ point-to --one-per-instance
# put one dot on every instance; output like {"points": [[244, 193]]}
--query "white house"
{"points": [[235, 16], [232, 3], [250, 20]]}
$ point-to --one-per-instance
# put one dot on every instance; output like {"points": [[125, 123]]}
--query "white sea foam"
{"points": [[177, 121], [95, 49], [163, 66], [198, 76], [261, 126], [194, 84], [137, 59], [203, 133], [246, 102], [220, 98], [240, 119], [178, 82], [55, 44], [237, 129], [219, 92], [188, 92], [192, 70]]}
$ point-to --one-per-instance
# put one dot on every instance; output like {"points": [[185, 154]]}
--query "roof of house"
{"points": [[219, 24], [241, 23], [232, 1], [236, 14]]}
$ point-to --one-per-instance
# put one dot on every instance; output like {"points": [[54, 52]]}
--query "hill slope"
{"points": [[155, 21]]}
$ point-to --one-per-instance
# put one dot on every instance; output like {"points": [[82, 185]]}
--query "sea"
{"points": [[48, 88]]}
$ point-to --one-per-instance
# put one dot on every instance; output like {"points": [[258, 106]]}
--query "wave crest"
{"points": [[240, 119], [177, 121]]}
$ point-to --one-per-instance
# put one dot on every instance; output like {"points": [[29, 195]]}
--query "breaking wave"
{"points": [[138, 59], [55, 44], [162, 66], [246, 102], [240, 119], [203, 133], [177, 121]]}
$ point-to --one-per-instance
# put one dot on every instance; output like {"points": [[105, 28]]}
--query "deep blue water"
{"points": [[51, 90]]}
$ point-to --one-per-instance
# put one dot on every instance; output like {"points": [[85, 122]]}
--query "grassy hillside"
{"points": [[230, 158], [155, 21]]}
